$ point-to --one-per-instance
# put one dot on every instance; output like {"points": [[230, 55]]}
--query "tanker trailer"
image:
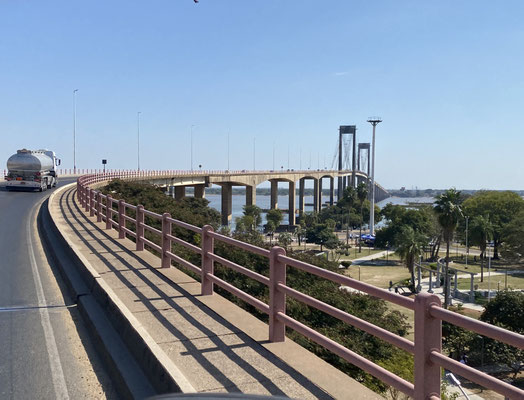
{"points": [[32, 169]]}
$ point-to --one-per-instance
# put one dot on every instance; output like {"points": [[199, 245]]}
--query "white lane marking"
{"points": [[57, 371]]}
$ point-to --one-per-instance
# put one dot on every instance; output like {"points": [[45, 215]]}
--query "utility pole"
{"points": [[373, 121], [138, 138], [74, 131]]}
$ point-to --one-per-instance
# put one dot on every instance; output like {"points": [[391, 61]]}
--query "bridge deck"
{"points": [[210, 344]]}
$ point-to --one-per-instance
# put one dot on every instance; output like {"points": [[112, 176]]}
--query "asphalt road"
{"points": [[45, 351]]}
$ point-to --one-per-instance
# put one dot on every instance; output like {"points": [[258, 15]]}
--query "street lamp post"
{"points": [[74, 131], [138, 138], [467, 248], [373, 121]]}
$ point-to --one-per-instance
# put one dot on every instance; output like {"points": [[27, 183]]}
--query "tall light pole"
{"points": [[228, 151], [373, 121], [138, 138], [74, 131], [467, 248]]}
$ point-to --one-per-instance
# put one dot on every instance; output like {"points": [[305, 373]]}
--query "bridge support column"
{"points": [[227, 203], [180, 192], [315, 195], [291, 206], [320, 194], [251, 195], [331, 190], [344, 186], [200, 191], [301, 188], [340, 189], [274, 194]]}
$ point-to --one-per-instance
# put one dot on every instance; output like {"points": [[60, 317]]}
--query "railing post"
{"points": [[277, 299], [428, 338], [166, 242], [208, 245], [437, 279], [109, 214], [92, 203], [99, 207], [88, 194], [430, 290], [139, 227], [121, 219]]}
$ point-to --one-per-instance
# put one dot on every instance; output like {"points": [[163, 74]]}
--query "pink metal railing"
{"points": [[427, 307]]}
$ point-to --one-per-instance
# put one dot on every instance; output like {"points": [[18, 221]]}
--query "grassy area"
{"points": [[515, 281], [378, 275]]}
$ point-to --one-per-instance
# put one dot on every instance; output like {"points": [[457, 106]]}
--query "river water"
{"points": [[263, 201]]}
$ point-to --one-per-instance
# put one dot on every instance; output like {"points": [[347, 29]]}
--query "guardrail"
{"points": [[429, 314]]}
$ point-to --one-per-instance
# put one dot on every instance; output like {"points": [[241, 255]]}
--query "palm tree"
{"points": [[447, 208], [254, 214], [362, 194], [410, 245], [481, 231]]}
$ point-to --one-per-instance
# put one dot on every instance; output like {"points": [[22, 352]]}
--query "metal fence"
{"points": [[429, 314]]}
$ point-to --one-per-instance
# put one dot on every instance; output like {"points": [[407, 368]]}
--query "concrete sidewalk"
{"points": [[199, 343]]}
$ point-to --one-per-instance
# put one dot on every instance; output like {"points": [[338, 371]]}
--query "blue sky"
{"points": [[447, 77]]}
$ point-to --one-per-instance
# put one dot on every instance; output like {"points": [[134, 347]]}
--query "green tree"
{"points": [[513, 239], [501, 207], [505, 310], [270, 229], [480, 232], [300, 232], [255, 213], [285, 239], [362, 195], [275, 215], [321, 234], [447, 208], [410, 245]]}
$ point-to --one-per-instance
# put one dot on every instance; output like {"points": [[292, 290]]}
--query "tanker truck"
{"points": [[32, 169]]}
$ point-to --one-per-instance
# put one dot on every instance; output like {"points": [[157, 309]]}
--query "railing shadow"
{"points": [[89, 228]]}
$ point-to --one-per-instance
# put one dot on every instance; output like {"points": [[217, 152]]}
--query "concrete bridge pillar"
{"points": [[274, 194], [301, 188], [331, 190], [291, 206], [171, 191], [251, 195], [200, 191], [320, 194], [315, 195], [340, 188], [227, 203], [180, 192]]}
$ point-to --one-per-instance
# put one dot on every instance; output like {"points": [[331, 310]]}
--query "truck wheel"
{"points": [[49, 185]]}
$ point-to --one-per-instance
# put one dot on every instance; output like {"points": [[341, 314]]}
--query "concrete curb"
{"points": [[163, 374]]}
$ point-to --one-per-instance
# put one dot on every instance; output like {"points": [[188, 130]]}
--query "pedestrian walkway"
{"points": [[371, 257], [206, 343]]}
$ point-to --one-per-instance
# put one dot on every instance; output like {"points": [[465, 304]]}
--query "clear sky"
{"points": [[446, 76]]}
